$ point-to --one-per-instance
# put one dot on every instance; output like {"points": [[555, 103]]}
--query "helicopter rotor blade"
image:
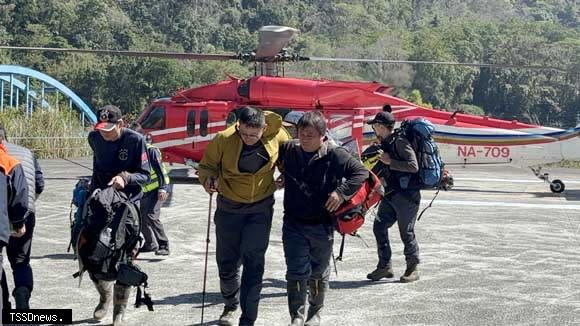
{"points": [[139, 54], [273, 39], [447, 63]]}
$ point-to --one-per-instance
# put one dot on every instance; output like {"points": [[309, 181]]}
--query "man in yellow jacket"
{"points": [[239, 164]]}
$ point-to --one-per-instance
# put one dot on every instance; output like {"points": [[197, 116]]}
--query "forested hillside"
{"points": [[522, 32]]}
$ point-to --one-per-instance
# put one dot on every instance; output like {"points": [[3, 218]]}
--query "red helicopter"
{"points": [[183, 124]]}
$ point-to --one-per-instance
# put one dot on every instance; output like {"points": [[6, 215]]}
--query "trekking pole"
{"points": [[430, 204], [206, 254]]}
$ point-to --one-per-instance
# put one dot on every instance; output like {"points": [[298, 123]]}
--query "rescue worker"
{"points": [[18, 249], [13, 203], [318, 177], [155, 192], [399, 205], [239, 164], [119, 161]]}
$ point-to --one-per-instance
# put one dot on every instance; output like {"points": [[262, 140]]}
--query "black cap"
{"points": [[108, 117], [385, 118]]}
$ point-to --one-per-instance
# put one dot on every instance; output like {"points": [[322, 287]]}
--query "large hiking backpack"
{"points": [[109, 232], [419, 133], [108, 237], [80, 195]]}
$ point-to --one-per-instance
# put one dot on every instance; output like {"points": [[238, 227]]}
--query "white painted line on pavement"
{"points": [[503, 204], [510, 180]]}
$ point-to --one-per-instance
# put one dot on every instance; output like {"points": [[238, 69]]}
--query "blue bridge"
{"points": [[28, 88]]}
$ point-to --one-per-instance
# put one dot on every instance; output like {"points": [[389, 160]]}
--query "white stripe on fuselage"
{"points": [[184, 141], [180, 129]]}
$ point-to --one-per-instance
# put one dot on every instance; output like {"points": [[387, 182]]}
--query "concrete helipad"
{"points": [[499, 249]]}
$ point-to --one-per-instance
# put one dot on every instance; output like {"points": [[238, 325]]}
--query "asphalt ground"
{"points": [[498, 249]]}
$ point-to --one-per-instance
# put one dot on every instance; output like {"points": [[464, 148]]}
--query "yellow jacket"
{"points": [[221, 156]]}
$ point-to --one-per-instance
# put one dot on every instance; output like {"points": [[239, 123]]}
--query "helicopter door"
{"points": [[190, 126]]}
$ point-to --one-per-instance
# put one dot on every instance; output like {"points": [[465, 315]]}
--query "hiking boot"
{"points": [[120, 299], [379, 273], [162, 251], [106, 296], [227, 317], [21, 297], [411, 274]]}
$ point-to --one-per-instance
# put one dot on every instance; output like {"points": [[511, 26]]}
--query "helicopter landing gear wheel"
{"points": [[557, 186]]}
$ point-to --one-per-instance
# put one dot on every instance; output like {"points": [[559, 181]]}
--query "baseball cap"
{"points": [[108, 116], [385, 118]]}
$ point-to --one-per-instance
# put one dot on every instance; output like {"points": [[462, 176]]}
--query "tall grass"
{"points": [[49, 134]]}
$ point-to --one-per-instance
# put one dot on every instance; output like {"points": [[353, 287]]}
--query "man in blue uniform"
{"points": [[119, 161]]}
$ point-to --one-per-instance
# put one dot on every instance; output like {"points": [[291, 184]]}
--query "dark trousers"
{"points": [[2, 279], [242, 239], [152, 228], [400, 208], [18, 252], [307, 249]]}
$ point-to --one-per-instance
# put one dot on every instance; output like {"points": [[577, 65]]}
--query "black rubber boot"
{"points": [[120, 299], [296, 301], [21, 297], [316, 300], [105, 289]]}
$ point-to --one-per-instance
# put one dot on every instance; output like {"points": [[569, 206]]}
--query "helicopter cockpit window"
{"points": [[190, 123], [203, 123], [155, 119], [244, 89], [231, 119]]}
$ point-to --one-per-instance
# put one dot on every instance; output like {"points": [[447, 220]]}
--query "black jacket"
{"points": [[13, 195], [308, 185], [403, 163]]}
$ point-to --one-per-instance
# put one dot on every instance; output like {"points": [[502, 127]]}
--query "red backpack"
{"points": [[350, 216]]}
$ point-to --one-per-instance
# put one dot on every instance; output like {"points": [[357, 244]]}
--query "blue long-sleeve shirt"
{"points": [[126, 154]]}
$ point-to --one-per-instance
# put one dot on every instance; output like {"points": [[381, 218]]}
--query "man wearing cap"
{"points": [[398, 205], [120, 161]]}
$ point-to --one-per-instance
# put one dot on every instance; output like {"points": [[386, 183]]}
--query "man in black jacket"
{"points": [[119, 161], [19, 249], [318, 177], [399, 205], [13, 203]]}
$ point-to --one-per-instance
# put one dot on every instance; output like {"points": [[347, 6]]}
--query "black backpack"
{"points": [[109, 234]]}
